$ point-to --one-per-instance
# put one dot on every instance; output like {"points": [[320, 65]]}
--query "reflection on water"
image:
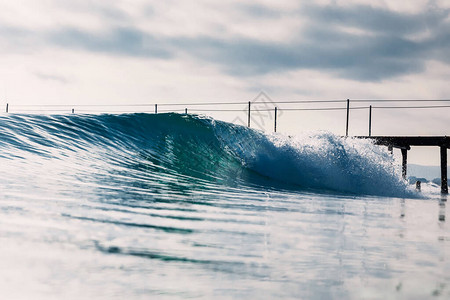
{"points": [[251, 243], [442, 203]]}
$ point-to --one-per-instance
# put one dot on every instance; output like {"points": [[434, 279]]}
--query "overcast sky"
{"points": [[140, 51]]}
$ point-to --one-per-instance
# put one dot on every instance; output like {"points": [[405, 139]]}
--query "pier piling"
{"points": [[370, 120], [7, 107], [156, 108], [391, 149], [404, 162], [418, 185], [444, 184]]}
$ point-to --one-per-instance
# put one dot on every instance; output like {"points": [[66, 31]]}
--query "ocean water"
{"points": [[168, 206]]}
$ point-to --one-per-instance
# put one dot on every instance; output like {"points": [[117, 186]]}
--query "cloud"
{"points": [[378, 20], [258, 11], [16, 40], [356, 42], [383, 47], [51, 77], [119, 41], [368, 58]]}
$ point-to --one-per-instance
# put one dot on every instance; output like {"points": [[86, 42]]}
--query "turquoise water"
{"points": [[169, 206]]}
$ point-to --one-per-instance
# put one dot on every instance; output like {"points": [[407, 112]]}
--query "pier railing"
{"points": [[272, 108]]}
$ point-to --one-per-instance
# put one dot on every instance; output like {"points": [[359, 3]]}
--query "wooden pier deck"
{"points": [[404, 143]]}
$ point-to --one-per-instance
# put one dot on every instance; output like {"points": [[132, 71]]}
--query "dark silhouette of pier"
{"points": [[404, 143]]}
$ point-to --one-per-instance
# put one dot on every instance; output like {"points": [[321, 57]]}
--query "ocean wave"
{"points": [[157, 150]]}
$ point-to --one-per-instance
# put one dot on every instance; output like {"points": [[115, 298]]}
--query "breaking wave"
{"points": [[159, 150]]}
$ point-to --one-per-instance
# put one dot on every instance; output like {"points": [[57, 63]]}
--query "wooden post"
{"points": [[156, 108], [185, 111], [275, 124], [7, 107], [404, 162], [249, 105], [444, 185], [348, 112], [370, 120]]}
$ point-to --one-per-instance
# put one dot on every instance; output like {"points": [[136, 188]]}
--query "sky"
{"points": [[173, 51]]}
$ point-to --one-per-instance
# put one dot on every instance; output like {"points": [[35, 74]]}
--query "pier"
{"points": [[404, 143]]}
